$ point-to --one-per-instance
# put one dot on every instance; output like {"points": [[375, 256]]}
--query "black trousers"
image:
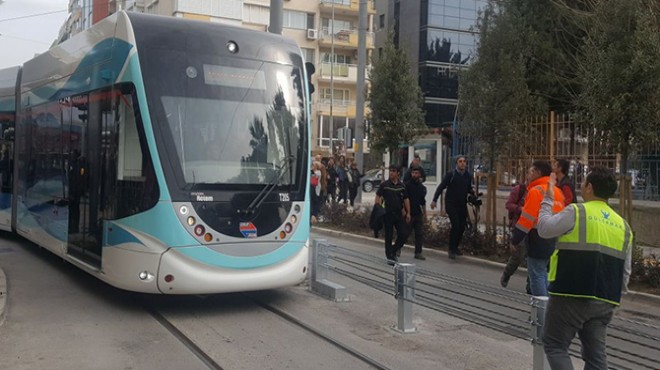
{"points": [[352, 194], [343, 192], [394, 220], [417, 226], [458, 216]]}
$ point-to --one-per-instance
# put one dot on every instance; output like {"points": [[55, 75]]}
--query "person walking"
{"points": [[417, 195], [538, 249], [332, 180], [514, 205], [354, 184], [560, 168], [393, 197], [458, 183], [342, 180], [589, 270], [416, 163]]}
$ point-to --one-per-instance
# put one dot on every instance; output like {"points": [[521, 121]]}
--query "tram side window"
{"points": [[137, 188]]}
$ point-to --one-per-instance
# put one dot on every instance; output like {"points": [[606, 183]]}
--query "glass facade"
{"points": [[447, 41]]}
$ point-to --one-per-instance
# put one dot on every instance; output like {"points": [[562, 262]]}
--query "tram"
{"points": [[162, 155]]}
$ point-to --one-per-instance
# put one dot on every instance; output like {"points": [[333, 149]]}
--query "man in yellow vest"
{"points": [[589, 270]]}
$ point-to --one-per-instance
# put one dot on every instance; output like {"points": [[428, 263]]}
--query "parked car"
{"points": [[372, 180]]}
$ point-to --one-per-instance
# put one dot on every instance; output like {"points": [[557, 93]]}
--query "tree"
{"points": [[494, 97], [620, 75], [395, 101]]}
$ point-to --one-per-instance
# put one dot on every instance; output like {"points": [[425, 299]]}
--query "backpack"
{"points": [[349, 176], [314, 181]]}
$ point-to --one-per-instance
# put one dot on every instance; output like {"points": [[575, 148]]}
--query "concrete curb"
{"points": [[3, 296], [632, 295]]}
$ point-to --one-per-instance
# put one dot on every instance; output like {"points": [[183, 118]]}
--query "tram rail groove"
{"points": [[291, 319], [184, 339]]}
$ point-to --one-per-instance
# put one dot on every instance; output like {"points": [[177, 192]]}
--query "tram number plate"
{"points": [[284, 197]]}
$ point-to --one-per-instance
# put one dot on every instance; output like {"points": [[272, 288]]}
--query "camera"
{"points": [[474, 200]]}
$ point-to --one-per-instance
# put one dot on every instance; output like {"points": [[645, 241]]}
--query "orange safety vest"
{"points": [[535, 193]]}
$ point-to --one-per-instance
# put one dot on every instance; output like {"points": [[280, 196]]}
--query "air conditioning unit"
{"points": [[312, 34]]}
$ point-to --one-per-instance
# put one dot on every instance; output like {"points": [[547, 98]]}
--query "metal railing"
{"points": [[631, 344]]}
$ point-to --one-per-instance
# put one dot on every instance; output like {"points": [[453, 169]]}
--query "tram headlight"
{"points": [[282, 234], [296, 208], [288, 228], [232, 47], [294, 219], [145, 275], [191, 221], [183, 210], [199, 230], [208, 237]]}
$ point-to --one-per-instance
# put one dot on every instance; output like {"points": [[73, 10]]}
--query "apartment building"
{"points": [[326, 31]]}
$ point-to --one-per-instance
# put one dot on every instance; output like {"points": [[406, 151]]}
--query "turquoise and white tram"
{"points": [[162, 155]]}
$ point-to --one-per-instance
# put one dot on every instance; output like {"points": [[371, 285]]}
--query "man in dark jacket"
{"points": [[416, 163], [458, 183], [564, 183], [417, 195], [393, 196]]}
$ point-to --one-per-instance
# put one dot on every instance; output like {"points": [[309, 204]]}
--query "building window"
{"points": [[381, 21], [439, 115], [439, 82], [428, 154], [341, 96], [296, 20], [308, 54], [339, 59], [452, 14], [339, 25], [447, 46], [256, 14]]}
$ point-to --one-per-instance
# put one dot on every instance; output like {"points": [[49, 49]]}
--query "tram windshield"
{"points": [[234, 121]]}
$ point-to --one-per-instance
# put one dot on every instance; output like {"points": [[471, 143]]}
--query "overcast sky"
{"points": [[33, 32]]}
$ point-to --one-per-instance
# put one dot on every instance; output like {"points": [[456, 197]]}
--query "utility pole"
{"points": [[359, 109], [276, 16], [332, 79]]}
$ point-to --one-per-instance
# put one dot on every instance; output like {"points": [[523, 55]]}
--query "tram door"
{"points": [[84, 232]]}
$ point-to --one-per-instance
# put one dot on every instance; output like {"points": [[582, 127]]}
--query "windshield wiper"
{"points": [[265, 192]]}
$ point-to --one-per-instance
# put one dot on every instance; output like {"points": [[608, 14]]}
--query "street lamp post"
{"points": [[332, 79]]}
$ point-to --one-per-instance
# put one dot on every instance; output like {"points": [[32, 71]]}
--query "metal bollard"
{"points": [[405, 294], [540, 362], [319, 259], [319, 283]]}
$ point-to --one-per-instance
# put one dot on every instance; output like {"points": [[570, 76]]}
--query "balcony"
{"points": [[344, 39], [340, 108], [342, 72], [346, 7]]}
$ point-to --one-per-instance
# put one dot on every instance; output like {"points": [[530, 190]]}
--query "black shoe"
{"points": [[391, 261], [420, 256], [458, 252], [452, 255], [504, 280]]}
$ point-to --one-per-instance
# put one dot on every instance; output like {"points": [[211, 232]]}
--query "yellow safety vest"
{"points": [[588, 262]]}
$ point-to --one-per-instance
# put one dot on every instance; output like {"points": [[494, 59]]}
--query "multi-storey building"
{"points": [[320, 27], [440, 37]]}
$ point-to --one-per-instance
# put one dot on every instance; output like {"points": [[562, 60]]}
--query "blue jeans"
{"points": [[537, 270]]}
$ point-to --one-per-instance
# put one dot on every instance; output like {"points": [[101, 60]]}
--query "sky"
{"points": [[21, 39]]}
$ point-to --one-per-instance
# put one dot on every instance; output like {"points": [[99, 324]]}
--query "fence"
{"points": [[558, 136], [630, 344]]}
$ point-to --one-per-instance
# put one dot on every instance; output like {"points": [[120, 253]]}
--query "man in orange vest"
{"points": [[539, 249]]}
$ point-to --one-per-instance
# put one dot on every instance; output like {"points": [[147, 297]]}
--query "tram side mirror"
{"points": [[309, 67]]}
